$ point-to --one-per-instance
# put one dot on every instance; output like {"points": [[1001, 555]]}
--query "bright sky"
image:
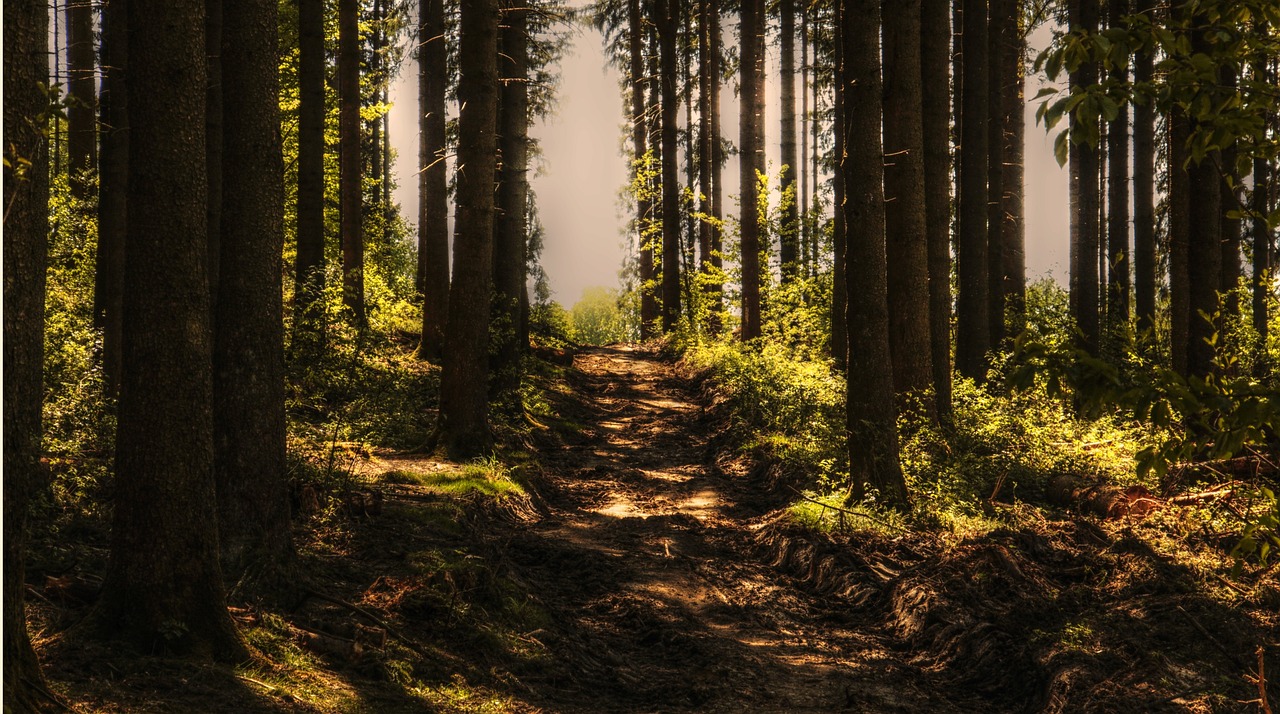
{"points": [[583, 169]]}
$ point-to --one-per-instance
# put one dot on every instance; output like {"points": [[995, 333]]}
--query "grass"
{"points": [[488, 477]]}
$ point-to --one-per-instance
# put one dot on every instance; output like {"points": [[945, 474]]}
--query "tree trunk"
{"points": [[973, 334], [510, 236], [839, 281], [26, 229], [82, 133], [433, 194], [1179, 241], [905, 221], [872, 416], [213, 145], [668, 27], [751, 146], [1205, 248], [808, 256], [248, 345], [706, 147], [1232, 270], [1001, 27], [163, 589], [1262, 250], [1118, 261], [639, 139], [113, 179], [1084, 198], [350, 165], [1013, 271], [653, 128], [463, 429], [1144, 212], [717, 169], [309, 269], [789, 240], [935, 55]]}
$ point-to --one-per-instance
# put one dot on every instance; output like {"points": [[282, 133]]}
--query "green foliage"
{"points": [[598, 319]]}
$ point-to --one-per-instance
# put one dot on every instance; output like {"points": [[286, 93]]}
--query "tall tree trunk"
{"points": [[705, 143], [248, 345], [639, 139], [213, 144], [935, 56], [26, 230], [905, 220], [350, 163], [717, 168], [374, 131], [1144, 212], [653, 128], [1232, 270], [1119, 282], [872, 415], [164, 545], [113, 179], [433, 194], [751, 145], [510, 236], [691, 148], [973, 333], [668, 27], [808, 257], [839, 281], [309, 268], [1001, 27], [463, 429], [1013, 271], [1084, 198], [1204, 262], [1263, 271], [789, 240], [82, 133], [1179, 240]]}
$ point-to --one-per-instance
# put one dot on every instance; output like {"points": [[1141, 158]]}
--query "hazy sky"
{"points": [[583, 169]]}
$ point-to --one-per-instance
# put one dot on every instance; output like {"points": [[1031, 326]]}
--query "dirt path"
{"points": [[647, 563]]}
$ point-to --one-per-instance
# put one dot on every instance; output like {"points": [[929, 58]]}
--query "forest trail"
{"points": [[647, 561]]}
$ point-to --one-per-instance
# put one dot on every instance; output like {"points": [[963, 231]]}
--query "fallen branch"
{"points": [[1261, 680], [404, 639], [1212, 640], [867, 516], [1193, 498]]}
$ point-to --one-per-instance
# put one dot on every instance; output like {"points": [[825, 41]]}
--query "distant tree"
{"points": [[26, 228], [872, 415], [248, 345], [82, 134], [463, 428], [707, 142], [640, 144], [1263, 251], [668, 27], [973, 334], [1119, 282], [935, 57], [904, 185], [751, 28], [433, 196], [1179, 240], [717, 157], [163, 589], [1084, 192], [839, 280], [350, 167], [112, 184], [1144, 179], [309, 267], [789, 238]]}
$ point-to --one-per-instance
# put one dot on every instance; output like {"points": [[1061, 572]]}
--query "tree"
{"points": [[350, 166], [668, 26], [706, 142], [26, 228], [935, 58], [973, 334], [789, 240], [213, 143], [511, 234], [112, 184], [433, 196], [872, 415], [1084, 191], [1119, 282], [248, 346], [309, 266], [163, 588], [1144, 166], [1179, 240], [639, 139], [82, 134], [463, 428], [751, 158], [1012, 271], [839, 281], [905, 220], [1002, 26], [717, 160], [1204, 237]]}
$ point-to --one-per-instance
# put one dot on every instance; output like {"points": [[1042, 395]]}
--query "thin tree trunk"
{"points": [[668, 26], [163, 590], [905, 220], [705, 143], [433, 195], [213, 144], [113, 182], [463, 429], [751, 160], [1232, 270], [510, 236], [717, 169], [1013, 230], [26, 230], [309, 268], [1001, 27], [973, 333], [639, 139], [1144, 218], [808, 257], [1262, 251], [350, 163], [1084, 200], [789, 240], [1179, 241], [653, 128], [374, 131], [1119, 282], [935, 55], [872, 415], [839, 281], [82, 133]]}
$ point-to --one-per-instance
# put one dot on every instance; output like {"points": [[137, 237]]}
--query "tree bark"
{"points": [[1119, 282], [1144, 213], [1231, 270], [510, 236], [309, 268], [751, 159], [82, 133], [463, 429], [1205, 249], [706, 144], [973, 333], [433, 194], [213, 145], [1262, 252], [113, 179], [163, 589], [904, 186], [640, 143], [935, 55], [350, 163], [808, 256], [872, 415], [1179, 241], [789, 240], [839, 239], [1013, 270], [717, 168], [26, 229], [668, 26], [1001, 27], [1084, 198], [248, 346]]}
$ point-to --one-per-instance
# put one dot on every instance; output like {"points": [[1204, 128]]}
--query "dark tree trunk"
{"points": [[163, 589], [1013, 270], [1118, 261], [1001, 27], [374, 69], [82, 133], [113, 178], [668, 27], [1262, 251], [350, 165], [1084, 199], [751, 145], [309, 269], [26, 229], [717, 166], [905, 220], [872, 415], [789, 240], [935, 55], [510, 236], [248, 345], [213, 144], [433, 195], [691, 148], [1232, 270], [839, 281], [1204, 262], [1179, 241], [808, 256], [1144, 212], [706, 146], [639, 139], [973, 333], [463, 429], [653, 129]]}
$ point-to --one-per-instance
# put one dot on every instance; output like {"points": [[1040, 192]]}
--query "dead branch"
{"points": [[404, 639], [846, 511]]}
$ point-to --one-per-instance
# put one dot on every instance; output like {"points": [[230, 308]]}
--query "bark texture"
{"points": [[789, 240], [350, 163], [510, 236], [113, 179], [82, 133], [1083, 159], [1119, 262], [751, 159], [973, 333], [309, 268], [668, 27], [935, 57], [433, 193], [1144, 171]]}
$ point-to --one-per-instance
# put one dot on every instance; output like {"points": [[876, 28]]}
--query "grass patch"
{"points": [[487, 477]]}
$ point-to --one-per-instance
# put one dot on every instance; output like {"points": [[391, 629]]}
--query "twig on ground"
{"points": [[1213, 640], [404, 639], [1263, 701], [846, 511]]}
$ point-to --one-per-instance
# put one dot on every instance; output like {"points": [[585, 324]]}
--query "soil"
{"points": [[649, 569]]}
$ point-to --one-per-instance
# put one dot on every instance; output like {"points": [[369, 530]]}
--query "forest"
{"points": [[272, 445]]}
